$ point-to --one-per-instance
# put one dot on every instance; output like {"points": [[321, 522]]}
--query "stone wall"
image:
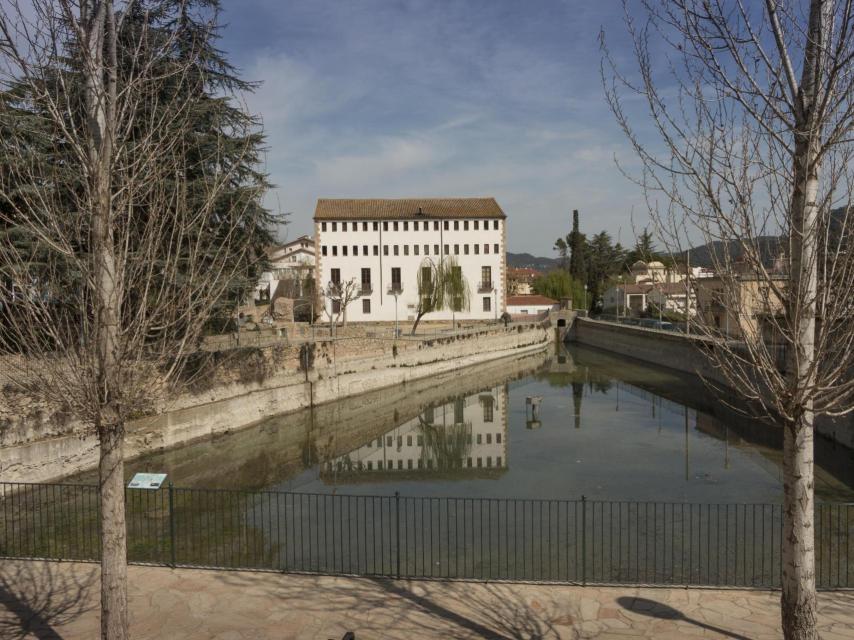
{"points": [[683, 353], [231, 390]]}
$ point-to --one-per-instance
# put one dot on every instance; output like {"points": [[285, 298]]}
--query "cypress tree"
{"points": [[577, 267]]}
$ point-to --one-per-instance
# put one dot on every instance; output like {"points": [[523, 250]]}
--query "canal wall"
{"points": [[682, 353], [231, 390]]}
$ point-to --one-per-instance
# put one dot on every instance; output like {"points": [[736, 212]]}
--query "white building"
{"points": [[291, 264], [467, 435], [381, 244]]}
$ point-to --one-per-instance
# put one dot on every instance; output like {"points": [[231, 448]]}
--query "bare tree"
{"points": [[340, 296], [751, 112], [122, 265]]}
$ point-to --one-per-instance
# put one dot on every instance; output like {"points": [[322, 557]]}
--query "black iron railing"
{"points": [[571, 541]]}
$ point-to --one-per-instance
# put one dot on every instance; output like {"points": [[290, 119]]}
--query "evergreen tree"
{"points": [[577, 268]]}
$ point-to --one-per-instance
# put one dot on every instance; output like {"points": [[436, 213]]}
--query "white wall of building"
{"points": [[475, 243]]}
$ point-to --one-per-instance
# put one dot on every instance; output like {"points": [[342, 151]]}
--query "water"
{"points": [[609, 428]]}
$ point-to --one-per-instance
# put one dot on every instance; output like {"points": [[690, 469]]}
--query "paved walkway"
{"points": [[59, 600]]}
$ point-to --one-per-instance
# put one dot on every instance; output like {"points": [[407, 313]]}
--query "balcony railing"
{"points": [[395, 288], [484, 285]]}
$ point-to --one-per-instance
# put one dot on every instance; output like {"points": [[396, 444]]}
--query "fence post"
{"points": [[171, 524], [397, 529], [583, 540]]}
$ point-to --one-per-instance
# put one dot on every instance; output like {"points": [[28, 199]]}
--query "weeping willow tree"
{"points": [[456, 287], [447, 444]]}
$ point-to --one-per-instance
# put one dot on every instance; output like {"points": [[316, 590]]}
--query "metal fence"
{"points": [[570, 541]]}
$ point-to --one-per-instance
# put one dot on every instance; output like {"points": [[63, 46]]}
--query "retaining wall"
{"points": [[683, 353], [254, 385]]}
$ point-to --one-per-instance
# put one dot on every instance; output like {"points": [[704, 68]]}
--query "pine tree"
{"points": [[577, 268]]}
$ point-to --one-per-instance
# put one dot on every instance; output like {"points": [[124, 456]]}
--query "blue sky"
{"points": [[439, 98]]}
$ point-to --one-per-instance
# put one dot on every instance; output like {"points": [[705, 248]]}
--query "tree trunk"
{"points": [[114, 609], [417, 320]]}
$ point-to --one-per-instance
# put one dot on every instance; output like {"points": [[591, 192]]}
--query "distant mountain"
{"points": [[769, 248], [518, 260]]}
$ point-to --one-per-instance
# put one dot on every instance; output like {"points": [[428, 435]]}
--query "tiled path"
{"points": [[59, 600]]}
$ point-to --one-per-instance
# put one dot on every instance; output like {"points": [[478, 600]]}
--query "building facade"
{"points": [[381, 244]]}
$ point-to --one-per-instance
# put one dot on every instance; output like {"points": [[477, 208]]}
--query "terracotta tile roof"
{"points": [[406, 208], [533, 299]]}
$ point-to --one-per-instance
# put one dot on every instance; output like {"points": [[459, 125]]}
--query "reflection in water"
{"points": [[610, 428], [466, 436]]}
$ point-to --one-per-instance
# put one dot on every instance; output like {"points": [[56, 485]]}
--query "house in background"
{"points": [[291, 269], [740, 306], [381, 244], [520, 281], [530, 305]]}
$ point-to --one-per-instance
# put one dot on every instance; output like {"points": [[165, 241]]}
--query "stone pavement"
{"points": [[59, 600]]}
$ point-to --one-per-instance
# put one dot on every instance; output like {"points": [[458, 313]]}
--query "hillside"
{"points": [[517, 260]]}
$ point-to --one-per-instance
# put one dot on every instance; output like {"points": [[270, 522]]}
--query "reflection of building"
{"points": [[465, 435]]}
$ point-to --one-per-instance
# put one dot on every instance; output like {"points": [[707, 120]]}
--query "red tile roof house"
{"points": [[529, 305]]}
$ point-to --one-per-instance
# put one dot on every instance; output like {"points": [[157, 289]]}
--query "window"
{"points": [[376, 250], [486, 248], [395, 225], [406, 249], [409, 463], [468, 462], [344, 250], [408, 441], [364, 226], [406, 225], [416, 249], [376, 226], [389, 441], [465, 225], [495, 248], [396, 250], [336, 276], [488, 438], [456, 225], [488, 411], [335, 226], [498, 461], [323, 226], [323, 250], [379, 465], [435, 249], [476, 224], [364, 250], [370, 466], [456, 249], [487, 303], [479, 463], [498, 438], [447, 250], [479, 439], [446, 225], [395, 279], [426, 249], [343, 226], [336, 306], [459, 408], [426, 278], [465, 249], [416, 225], [419, 440], [385, 249], [486, 277], [477, 249], [488, 461], [435, 225], [334, 250], [366, 279], [366, 306], [355, 249], [495, 226], [385, 226]]}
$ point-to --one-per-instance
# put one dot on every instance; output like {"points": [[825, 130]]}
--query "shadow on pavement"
{"points": [[36, 597], [654, 609]]}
